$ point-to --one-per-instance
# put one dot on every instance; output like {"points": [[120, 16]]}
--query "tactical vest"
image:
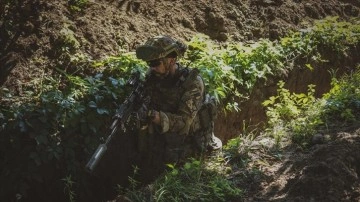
{"points": [[167, 99], [168, 95]]}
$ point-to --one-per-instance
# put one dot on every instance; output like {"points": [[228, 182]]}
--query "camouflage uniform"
{"points": [[178, 100]]}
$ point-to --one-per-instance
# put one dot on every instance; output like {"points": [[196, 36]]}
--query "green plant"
{"points": [[342, 102], [69, 188], [293, 114], [301, 115], [328, 34], [231, 72], [191, 182], [62, 121], [207, 57], [68, 39], [67, 50], [233, 145], [336, 35], [132, 191], [77, 5]]}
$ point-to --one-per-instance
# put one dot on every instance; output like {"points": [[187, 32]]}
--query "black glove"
{"points": [[145, 115]]}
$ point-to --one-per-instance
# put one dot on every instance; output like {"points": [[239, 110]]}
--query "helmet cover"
{"points": [[159, 47]]}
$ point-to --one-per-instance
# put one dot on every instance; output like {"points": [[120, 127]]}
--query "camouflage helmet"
{"points": [[160, 47]]}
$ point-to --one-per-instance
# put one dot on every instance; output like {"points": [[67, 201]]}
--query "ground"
{"points": [[328, 171], [30, 33]]}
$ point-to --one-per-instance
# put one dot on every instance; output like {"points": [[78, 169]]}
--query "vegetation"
{"points": [[342, 103], [77, 5], [60, 121], [293, 113], [300, 116], [194, 181]]}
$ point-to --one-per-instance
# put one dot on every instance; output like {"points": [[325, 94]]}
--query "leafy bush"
{"points": [[328, 34], [191, 182], [230, 72], [60, 127], [342, 102], [300, 116], [292, 114]]}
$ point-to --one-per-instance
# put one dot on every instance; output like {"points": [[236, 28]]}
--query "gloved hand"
{"points": [[145, 115]]}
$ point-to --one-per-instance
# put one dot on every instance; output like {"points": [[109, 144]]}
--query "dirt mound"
{"points": [[326, 172], [31, 30], [33, 33]]}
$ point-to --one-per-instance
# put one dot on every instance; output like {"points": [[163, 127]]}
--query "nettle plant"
{"points": [[336, 35], [231, 71], [328, 34], [300, 116], [219, 77], [292, 115], [342, 102]]}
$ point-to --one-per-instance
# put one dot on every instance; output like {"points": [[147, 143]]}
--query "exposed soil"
{"points": [[30, 33], [328, 171]]}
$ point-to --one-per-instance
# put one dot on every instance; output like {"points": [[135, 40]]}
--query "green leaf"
{"points": [[170, 166], [309, 67], [267, 102], [102, 111], [41, 139], [187, 165], [92, 104]]}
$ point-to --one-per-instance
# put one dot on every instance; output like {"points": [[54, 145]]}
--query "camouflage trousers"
{"points": [[157, 150]]}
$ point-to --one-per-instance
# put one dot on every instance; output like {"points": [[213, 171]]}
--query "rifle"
{"points": [[132, 103]]}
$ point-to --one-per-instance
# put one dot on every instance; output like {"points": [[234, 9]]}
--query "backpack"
{"points": [[204, 137], [207, 115]]}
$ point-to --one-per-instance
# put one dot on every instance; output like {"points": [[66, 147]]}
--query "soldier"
{"points": [[177, 98]]}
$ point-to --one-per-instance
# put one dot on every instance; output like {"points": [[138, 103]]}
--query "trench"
{"points": [[119, 165], [252, 116], [230, 125]]}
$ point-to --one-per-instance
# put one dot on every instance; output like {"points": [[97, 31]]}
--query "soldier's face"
{"points": [[159, 67]]}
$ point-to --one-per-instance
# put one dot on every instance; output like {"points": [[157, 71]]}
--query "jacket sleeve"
{"points": [[190, 104]]}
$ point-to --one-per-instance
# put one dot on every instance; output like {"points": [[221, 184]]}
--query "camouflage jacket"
{"points": [[178, 100]]}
